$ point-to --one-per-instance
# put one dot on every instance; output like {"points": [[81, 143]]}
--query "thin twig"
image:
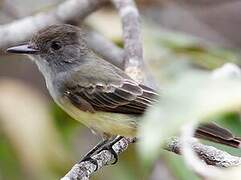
{"points": [[211, 155], [83, 170], [190, 157], [134, 63]]}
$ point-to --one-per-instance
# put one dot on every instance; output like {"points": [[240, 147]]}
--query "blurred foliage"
{"points": [[178, 166], [9, 162], [65, 124], [198, 52], [194, 96]]}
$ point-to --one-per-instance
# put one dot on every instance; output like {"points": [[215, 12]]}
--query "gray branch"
{"points": [[134, 64], [211, 156], [133, 60], [83, 170], [69, 11], [108, 50]]}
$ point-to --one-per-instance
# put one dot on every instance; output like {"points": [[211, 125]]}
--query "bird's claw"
{"points": [[90, 159], [109, 148]]}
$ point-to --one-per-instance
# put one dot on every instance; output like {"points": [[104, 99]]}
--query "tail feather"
{"points": [[215, 133]]}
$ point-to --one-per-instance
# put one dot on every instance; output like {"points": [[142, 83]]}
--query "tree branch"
{"points": [[133, 63], [133, 60], [211, 156], [108, 50], [69, 11], [83, 170]]}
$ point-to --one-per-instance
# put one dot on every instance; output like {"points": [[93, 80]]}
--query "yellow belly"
{"points": [[110, 123]]}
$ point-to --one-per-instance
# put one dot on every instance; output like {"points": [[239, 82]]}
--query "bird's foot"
{"points": [[109, 147], [93, 151], [103, 145], [90, 159]]}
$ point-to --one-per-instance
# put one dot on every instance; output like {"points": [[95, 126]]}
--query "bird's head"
{"points": [[54, 46]]}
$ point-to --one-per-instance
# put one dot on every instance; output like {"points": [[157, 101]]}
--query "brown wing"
{"points": [[128, 98]]}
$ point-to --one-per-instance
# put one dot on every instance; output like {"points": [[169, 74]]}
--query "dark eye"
{"points": [[56, 45]]}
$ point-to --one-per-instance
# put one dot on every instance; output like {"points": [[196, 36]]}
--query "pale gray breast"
{"points": [[55, 86]]}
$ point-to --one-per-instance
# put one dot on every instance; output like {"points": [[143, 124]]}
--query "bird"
{"points": [[95, 92]]}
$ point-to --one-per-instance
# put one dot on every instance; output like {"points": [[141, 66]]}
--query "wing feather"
{"points": [[128, 97], [112, 91]]}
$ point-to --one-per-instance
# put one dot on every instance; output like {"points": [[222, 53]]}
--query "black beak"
{"points": [[23, 49]]}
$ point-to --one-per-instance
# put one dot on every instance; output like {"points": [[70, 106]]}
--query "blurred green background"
{"points": [[39, 141]]}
